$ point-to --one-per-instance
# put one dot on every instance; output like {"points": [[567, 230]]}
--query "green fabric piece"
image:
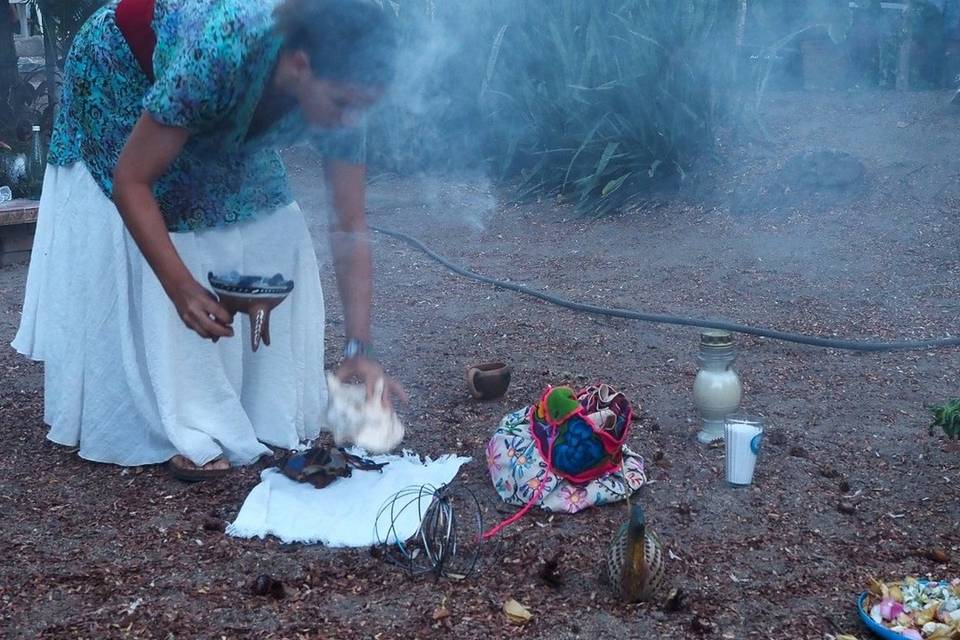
{"points": [[561, 402]]}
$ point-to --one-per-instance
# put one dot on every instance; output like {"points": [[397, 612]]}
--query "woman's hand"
{"points": [[201, 311], [368, 372]]}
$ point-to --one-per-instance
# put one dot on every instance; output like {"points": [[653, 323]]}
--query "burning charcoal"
{"points": [[231, 278]]}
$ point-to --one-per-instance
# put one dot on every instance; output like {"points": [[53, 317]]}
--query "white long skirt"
{"points": [[124, 379]]}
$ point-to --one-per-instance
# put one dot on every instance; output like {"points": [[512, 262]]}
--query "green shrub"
{"points": [[592, 101], [598, 100], [947, 417]]}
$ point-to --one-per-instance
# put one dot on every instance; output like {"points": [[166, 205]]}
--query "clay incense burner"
{"points": [[488, 381], [255, 296]]}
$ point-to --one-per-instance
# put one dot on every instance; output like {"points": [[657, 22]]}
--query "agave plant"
{"points": [[947, 417], [593, 101], [598, 101]]}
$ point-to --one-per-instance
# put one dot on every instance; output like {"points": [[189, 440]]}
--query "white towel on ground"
{"points": [[344, 513]]}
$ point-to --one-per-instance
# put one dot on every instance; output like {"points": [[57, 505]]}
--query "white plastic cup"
{"points": [[742, 436]]}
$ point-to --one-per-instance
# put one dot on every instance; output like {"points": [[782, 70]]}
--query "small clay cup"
{"points": [[255, 301], [488, 381]]}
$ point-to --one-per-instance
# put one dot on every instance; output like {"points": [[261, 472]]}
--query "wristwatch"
{"points": [[356, 348]]}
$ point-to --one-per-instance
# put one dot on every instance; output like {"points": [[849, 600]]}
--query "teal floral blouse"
{"points": [[212, 62]]}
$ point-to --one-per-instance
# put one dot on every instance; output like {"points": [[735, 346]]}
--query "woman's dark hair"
{"points": [[347, 40]]}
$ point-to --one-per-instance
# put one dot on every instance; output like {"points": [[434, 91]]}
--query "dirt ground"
{"points": [[97, 551]]}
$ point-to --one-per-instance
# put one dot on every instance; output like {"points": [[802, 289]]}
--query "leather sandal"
{"points": [[190, 473]]}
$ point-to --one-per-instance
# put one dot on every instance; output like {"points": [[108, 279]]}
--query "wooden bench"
{"points": [[18, 220]]}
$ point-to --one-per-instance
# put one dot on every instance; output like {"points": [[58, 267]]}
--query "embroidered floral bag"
{"points": [[567, 449]]}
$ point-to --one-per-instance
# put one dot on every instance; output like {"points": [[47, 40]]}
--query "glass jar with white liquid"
{"points": [[716, 389]]}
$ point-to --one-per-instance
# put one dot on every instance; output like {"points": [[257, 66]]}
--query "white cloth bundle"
{"points": [[344, 513], [355, 420]]}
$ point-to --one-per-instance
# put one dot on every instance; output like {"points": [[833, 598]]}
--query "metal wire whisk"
{"points": [[448, 539]]}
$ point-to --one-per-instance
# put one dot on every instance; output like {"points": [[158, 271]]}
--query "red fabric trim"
{"points": [[134, 18], [534, 499]]}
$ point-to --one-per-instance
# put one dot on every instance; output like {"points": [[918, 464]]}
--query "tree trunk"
{"points": [[8, 53], [739, 34], [905, 59], [50, 56]]}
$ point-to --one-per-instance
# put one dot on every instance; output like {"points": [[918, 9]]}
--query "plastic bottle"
{"points": [[37, 160]]}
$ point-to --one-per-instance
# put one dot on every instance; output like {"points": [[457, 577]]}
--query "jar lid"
{"points": [[716, 338]]}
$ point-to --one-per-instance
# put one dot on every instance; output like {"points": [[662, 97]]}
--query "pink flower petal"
{"points": [[890, 609]]}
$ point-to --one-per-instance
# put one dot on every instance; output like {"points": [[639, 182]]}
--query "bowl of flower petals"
{"points": [[913, 608]]}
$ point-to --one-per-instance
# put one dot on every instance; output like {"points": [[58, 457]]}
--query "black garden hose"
{"points": [[848, 345]]}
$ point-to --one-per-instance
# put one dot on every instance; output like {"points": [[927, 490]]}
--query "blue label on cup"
{"points": [[755, 443]]}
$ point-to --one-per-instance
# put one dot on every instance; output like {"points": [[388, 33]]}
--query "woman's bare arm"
{"points": [[352, 263], [350, 245], [148, 153]]}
